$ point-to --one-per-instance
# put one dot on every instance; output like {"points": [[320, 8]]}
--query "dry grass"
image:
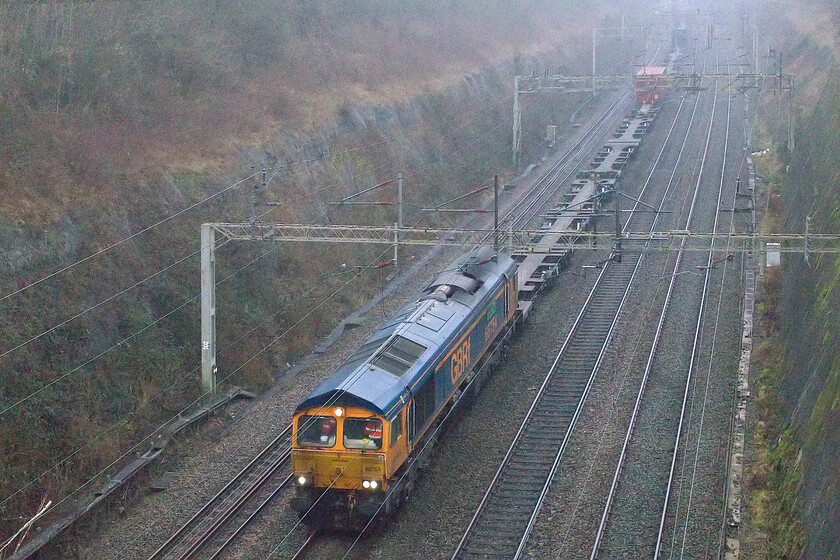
{"points": [[795, 28], [817, 21], [180, 89]]}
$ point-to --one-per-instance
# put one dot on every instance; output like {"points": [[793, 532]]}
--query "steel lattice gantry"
{"points": [[535, 84], [557, 83], [516, 241], [525, 240]]}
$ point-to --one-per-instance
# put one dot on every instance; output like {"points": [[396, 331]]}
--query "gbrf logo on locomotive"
{"points": [[460, 360], [492, 318]]}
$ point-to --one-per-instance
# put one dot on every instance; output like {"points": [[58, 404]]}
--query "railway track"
{"points": [[530, 205], [633, 530], [304, 548], [222, 519], [509, 508], [687, 509], [508, 511]]}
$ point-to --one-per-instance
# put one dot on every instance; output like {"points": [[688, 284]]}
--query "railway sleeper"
{"points": [[528, 469], [485, 552], [497, 539], [506, 511], [520, 500]]}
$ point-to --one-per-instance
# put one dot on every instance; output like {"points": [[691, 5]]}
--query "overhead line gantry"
{"points": [[514, 241], [559, 83]]}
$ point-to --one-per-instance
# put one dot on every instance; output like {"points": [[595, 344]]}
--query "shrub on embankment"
{"points": [[811, 327]]}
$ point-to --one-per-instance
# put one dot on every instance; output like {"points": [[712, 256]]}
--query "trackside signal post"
{"points": [[535, 84], [209, 368], [568, 84], [256, 231]]}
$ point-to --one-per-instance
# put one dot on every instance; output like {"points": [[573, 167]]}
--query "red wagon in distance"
{"points": [[651, 85]]}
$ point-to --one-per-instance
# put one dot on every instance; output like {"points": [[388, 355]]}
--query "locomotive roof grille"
{"points": [[364, 352], [402, 316], [398, 356]]}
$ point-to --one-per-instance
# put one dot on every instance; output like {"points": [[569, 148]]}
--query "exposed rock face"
{"points": [[811, 326]]}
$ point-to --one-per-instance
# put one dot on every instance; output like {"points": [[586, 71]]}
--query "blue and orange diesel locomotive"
{"points": [[361, 435]]}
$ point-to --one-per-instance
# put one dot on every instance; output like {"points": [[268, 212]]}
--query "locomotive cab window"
{"points": [[316, 431], [362, 433], [396, 428]]}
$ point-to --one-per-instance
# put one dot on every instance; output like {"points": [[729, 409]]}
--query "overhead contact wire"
{"points": [[198, 399], [129, 238], [192, 299]]}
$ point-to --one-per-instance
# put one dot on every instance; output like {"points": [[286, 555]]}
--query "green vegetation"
{"points": [[794, 485], [773, 497], [775, 478]]}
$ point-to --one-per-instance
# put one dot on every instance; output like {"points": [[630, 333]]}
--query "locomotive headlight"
{"points": [[339, 411], [302, 480], [374, 485], [366, 483]]}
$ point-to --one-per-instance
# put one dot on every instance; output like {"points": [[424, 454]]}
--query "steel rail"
{"points": [[505, 521], [239, 530], [659, 328], [220, 510], [570, 164], [305, 546], [194, 533], [747, 275], [695, 348], [694, 351], [210, 519], [235, 505], [513, 447]]}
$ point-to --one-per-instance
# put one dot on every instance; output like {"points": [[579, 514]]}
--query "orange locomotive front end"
{"points": [[340, 449]]}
